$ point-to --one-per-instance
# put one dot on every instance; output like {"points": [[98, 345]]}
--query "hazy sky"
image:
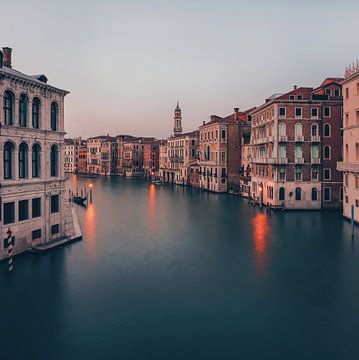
{"points": [[126, 63]]}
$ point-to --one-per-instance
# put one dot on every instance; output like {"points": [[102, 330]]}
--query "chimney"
{"points": [[295, 87], [7, 57], [236, 114], [204, 123]]}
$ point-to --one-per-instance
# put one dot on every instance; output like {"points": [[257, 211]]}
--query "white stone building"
{"points": [[33, 193]]}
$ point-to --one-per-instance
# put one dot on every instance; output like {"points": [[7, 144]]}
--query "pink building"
{"points": [[350, 164]]}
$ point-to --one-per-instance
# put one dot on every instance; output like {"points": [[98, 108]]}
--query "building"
{"points": [[34, 196], [151, 155], [94, 155], [82, 157], [296, 141], [246, 163], [182, 152], [350, 164], [70, 156], [220, 152]]}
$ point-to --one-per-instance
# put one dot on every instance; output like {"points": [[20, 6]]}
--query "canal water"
{"points": [[168, 273]]}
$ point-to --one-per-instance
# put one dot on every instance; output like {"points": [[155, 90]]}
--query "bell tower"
{"points": [[177, 128]]}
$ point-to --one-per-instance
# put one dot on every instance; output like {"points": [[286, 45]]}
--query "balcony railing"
{"points": [[299, 160], [299, 138], [282, 160], [283, 138], [348, 166], [315, 161], [315, 138]]}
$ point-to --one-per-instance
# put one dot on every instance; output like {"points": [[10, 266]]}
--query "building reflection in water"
{"points": [[90, 229], [152, 208], [260, 232]]}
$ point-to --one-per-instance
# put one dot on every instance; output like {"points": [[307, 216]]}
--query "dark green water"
{"points": [[165, 273]]}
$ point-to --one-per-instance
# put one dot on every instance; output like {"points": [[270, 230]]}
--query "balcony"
{"points": [[262, 140], [283, 138], [270, 139], [299, 160], [348, 166], [282, 160], [315, 161], [260, 160], [315, 138], [299, 138]]}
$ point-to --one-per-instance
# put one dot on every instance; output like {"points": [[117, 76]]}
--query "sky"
{"points": [[127, 63]]}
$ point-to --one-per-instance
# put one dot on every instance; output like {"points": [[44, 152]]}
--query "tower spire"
{"points": [[177, 128]]}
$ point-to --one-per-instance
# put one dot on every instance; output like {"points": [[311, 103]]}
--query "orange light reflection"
{"points": [[260, 232], [90, 225], [152, 208]]}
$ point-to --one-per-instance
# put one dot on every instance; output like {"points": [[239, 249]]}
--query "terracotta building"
{"points": [[220, 152], [350, 164], [296, 141]]}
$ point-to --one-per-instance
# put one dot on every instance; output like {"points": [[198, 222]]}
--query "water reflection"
{"points": [[90, 224], [152, 208], [260, 232]]}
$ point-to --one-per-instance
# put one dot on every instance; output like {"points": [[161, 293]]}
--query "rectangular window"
{"points": [[315, 152], [23, 210], [298, 112], [327, 111], [36, 234], [327, 193], [298, 174], [55, 229], [291, 97], [9, 213], [341, 194], [282, 174], [315, 174], [282, 151], [54, 204], [36, 207], [223, 135], [298, 151], [315, 113], [327, 174], [357, 182], [282, 112], [347, 93], [223, 154]]}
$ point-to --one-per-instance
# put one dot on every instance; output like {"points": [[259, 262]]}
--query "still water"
{"points": [[166, 273]]}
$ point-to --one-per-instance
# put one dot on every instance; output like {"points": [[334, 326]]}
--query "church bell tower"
{"points": [[177, 128]]}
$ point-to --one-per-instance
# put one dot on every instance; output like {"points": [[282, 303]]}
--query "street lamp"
{"points": [[260, 195]]}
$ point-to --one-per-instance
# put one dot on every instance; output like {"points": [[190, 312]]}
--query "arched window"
{"points": [[23, 102], [326, 132], [298, 193], [314, 194], [298, 129], [36, 161], [8, 107], [208, 153], [327, 152], [282, 129], [282, 193], [54, 116], [36, 105], [346, 152], [315, 131], [8, 160], [23, 151], [54, 160]]}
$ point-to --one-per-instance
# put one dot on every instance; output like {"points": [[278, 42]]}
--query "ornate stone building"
{"points": [[350, 164], [296, 139], [33, 194]]}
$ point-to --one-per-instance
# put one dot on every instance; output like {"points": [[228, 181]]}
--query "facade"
{"points": [[70, 156], [181, 154], [82, 157], [33, 193], [99, 154], [151, 155], [350, 164], [246, 163], [296, 141], [220, 152]]}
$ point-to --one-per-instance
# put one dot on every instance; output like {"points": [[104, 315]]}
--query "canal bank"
{"points": [[166, 273]]}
